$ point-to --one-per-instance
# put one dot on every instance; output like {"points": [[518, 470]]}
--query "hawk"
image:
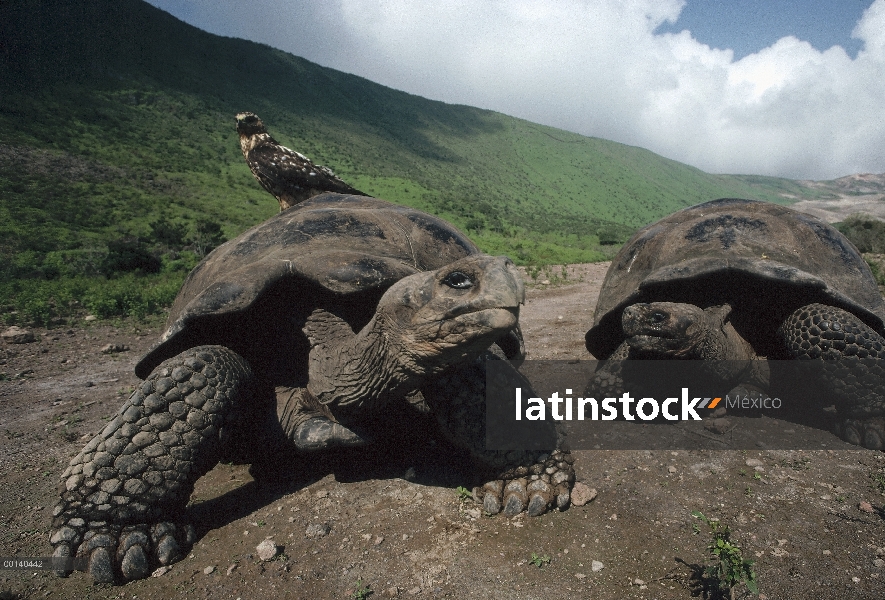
{"points": [[288, 175]]}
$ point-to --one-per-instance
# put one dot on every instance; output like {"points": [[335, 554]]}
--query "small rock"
{"points": [[545, 282], [88, 318], [596, 566], [378, 540], [391, 592], [718, 426], [114, 348], [267, 550], [17, 335], [209, 570], [473, 513], [317, 530], [638, 581], [827, 553], [866, 507], [613, 517], [579, 576], [753, 462], [582, 494], [879, 563], [161, 571], [415, 591], [322, 494], [671, 469], [232, 568]]}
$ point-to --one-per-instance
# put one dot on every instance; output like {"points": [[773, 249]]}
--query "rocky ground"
{"points": [[389, 522]]}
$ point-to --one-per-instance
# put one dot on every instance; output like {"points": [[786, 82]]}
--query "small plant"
{"points": [[730, 567], [261, 523], [800, 464], [757, 476], [748, 492], [878, 481], [68, 435], [539, 560], [463, 493], [362, 590]]}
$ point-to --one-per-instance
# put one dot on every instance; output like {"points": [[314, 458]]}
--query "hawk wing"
{"points": [[291, 177]]}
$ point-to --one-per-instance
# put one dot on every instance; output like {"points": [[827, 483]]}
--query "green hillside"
{"points": [[118, 138]]}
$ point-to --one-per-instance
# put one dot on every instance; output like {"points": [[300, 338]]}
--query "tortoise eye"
{"points": [[658, 317], [458, 280]]}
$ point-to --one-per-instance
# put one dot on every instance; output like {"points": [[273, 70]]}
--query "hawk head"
{"points": [[249, 124]]}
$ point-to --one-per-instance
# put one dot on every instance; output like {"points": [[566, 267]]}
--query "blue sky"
{"points": [[794, 89], [747, 26]]}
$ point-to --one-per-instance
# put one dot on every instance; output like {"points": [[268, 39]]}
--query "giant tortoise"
{"points": [[738, 280], [291, 335]]}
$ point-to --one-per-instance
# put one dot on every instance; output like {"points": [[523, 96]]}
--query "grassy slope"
{"points": [[115, 113]]}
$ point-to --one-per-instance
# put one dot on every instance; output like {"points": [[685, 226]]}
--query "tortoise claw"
{"points": [[320, 433], [547, 486], [869, 433]]}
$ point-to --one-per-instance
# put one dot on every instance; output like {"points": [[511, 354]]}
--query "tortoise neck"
{"points": [[347, 369]]}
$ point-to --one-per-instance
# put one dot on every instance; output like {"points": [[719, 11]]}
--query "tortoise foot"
{"points": [[536, 489], [122, 495], [869, 433], [112, 553]]}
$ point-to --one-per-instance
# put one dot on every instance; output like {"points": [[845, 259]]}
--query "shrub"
{"points": [[169, 234], [865, 233], [129, 254]]}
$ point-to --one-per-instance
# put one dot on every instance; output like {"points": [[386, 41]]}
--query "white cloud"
{"points": [[597, 68]]}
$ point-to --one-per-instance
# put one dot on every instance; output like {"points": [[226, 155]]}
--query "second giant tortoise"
{"points": [[737, 280], [294, 334]]}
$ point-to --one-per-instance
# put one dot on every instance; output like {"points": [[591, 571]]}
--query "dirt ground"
{"points": [[388, 522]]}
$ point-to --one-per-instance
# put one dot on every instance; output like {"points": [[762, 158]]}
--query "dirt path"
{"points": [[812, 520]]}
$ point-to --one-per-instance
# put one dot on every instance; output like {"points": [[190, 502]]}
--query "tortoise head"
{"points": [[446, 315], [672, 329]]}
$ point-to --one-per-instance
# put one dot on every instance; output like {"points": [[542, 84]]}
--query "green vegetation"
{"points": [[539, 560], [361, 591], [120, 166], [730, 568], [463, 493], [865, 233]]}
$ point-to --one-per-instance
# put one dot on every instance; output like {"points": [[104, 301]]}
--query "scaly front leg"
{"points": [[123, 496], [531, 480], [852, 361]]}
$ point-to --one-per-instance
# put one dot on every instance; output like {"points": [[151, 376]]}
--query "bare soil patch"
{"points": [[812, 520]]}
